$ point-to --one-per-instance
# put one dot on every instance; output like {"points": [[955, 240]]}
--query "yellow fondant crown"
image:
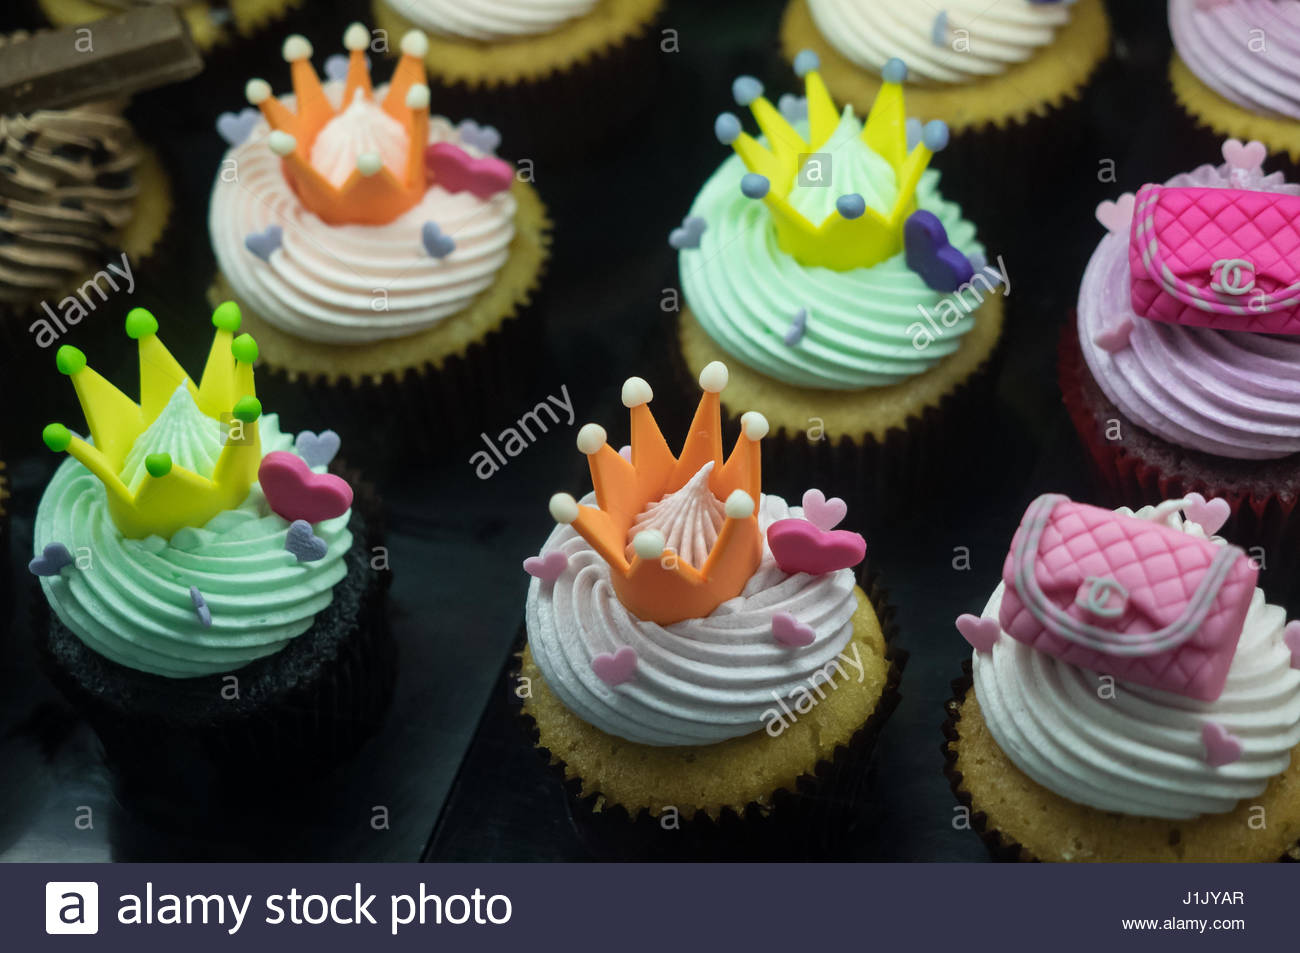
{"points": [[169, 497], [855, 235], [654, 583]]}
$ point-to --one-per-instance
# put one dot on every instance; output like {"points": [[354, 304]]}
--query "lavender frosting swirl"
{"points": [[1247, 51], [1228, 393]]}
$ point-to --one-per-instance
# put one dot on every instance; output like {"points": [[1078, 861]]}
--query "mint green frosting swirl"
{"points": [[862, 323], [129, 599]]}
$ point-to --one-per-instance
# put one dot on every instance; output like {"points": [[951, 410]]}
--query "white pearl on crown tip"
{"points": [[257, 91], [417, 97], [648, 544], [754, 425], [296, 47], [563, 507], [368, 163], [739, 505], [714, 377], [281, 142], [591, 438], [356, 37], [415, 43], [636, 392]]}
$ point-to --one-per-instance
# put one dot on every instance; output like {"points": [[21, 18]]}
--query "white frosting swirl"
{"points": [[1138, 750], [997, 34], [352, 284], [493, 20], [699, 681]]}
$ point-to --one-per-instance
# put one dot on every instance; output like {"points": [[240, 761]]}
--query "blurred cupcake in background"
{"points": [[1236, 71], [210, 22], [1179, 373], [1131, 694], [855, 305], [1007, 76], [559, 74], [384, 257], [696, 646]]}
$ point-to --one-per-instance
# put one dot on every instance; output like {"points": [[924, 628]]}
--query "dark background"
{"points": [[452, 766]]}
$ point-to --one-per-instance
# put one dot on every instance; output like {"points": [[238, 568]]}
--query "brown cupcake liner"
{"points": [[890, 478], [172, 746], [814, 822], [573, 109], [1129, 473], [1000, 845]]}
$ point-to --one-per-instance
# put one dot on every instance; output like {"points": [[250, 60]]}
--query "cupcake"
{"points": [[1235, 70], [854, 303], [1179, 373], [211, 22], [212, 607], [82, 202], [1131, 695], [543, 69], [379, 254], [1007, 76], [695, 646]]}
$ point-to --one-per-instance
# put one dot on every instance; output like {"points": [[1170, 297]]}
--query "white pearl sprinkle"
{"points": [[636, 392], [296, 47], [257, 91], [714, 377], [739, 505], [564, 508], [356, 37], [648, 544], [368, 163], [281, 142], [417, 97], [591, 438], [754, 425], [415, 43]]}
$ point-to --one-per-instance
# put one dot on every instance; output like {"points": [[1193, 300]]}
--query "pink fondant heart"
{"points": [[1248, 156], [548, 567], [456, 170], [799, 546], [1221, 747], [617, 668], [296, 493], [1115, 338], [1210, 514], [821, 512], [1291, 639], [1117, 216], [981, 633], [788, 630]]}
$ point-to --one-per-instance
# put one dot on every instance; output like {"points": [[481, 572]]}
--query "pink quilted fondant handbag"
{"points": [[1217, 258], [1126, 597]]}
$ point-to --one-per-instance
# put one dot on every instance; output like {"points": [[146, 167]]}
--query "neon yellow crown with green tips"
{"points": [[169, 497], [855, 235]]}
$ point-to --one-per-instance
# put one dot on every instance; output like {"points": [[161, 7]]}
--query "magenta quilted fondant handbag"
{"points": [[1217, 258], [1126, 597]]}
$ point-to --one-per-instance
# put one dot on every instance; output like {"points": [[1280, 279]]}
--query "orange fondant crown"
{"points": [[655, 583], [373, 193]]}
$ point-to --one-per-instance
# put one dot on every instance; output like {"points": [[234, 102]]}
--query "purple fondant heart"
{"points": [[303, 543], [981, 633], [617, 668], [788, 630], [317, 449], [799, 546], [235, 128], [547, 567], [929, 253], [263, 243], [51, 561]]}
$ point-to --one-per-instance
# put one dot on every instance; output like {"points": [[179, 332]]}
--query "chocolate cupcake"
{"points": [[211, 601]]}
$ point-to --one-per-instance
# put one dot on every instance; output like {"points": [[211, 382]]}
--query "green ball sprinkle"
{"points": [[158, 464], [69, 360], [244, 348], [227, 316], [248, 409], [56, 437], [140, 324]]}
